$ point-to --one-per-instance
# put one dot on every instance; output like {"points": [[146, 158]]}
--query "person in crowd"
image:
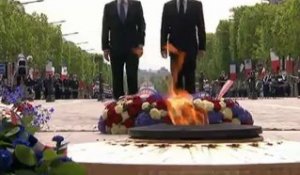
{"points": [[58, 86], [67, 88], [74, 85], [38, 87]]}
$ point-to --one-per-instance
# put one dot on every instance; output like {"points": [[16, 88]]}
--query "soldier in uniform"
{"points": [[67, 89], [58, 87], [38, 87], [74, 84]]}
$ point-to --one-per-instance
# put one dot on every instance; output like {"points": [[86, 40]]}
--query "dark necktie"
{"points": [[181, 7], [122, 11]]}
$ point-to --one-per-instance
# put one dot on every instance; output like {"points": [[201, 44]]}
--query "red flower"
{"points": [[227, 121], [108, 123], [161, 105], [137, 101], [229, 103], [217, 106], [113, 117], [111, 106], [133, 110], [167, 120], [129, 123], [151, 99]]}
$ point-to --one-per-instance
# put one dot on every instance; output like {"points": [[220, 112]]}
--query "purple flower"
{"points": [[246, 118], [237, 111], [6, 160], [13, 96], [51, 110], [144, 119], [102, 126], [215, 117], [58, 139]]}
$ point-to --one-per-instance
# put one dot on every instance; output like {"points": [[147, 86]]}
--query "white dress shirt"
{"points": [[125, 4], [184, 4]]}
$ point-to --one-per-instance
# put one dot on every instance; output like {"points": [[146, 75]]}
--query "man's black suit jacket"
{"points": [[118, 36], [186, 32]]}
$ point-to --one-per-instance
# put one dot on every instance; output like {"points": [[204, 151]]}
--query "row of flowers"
{"points": [[135, 111], [20, 151]]}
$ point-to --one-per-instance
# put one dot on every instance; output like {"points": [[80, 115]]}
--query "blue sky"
{"points": [[85, 17]]}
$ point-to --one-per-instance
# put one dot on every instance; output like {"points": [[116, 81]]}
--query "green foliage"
{"points": [[33, 35], [251, 33]]}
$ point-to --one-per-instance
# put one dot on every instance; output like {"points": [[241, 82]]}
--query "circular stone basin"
{"points": [[225, 131]]}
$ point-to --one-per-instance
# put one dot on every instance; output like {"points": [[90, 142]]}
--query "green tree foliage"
{"points": [[251, 33], [34, 35]]}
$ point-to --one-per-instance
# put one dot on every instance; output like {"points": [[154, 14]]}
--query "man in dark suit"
{"points": [[123, 36], [183, 27]]}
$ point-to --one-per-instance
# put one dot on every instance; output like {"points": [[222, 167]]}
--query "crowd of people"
{"points": [[40, 87], [267, 85]]}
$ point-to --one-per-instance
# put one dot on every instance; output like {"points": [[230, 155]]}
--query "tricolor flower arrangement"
{"points": [[224, 111], [21, 152], [135, 111]]}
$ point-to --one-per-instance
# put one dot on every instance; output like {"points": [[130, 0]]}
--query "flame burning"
{"points": [[180, 104]]}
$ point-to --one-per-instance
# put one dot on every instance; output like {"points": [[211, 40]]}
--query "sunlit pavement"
{"points": [[77, 119]]}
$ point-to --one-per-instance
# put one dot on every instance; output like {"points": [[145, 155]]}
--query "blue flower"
{"points": [[215, 117], [144, 119], [19, 141], [32, 140], [6, 160], [39, 156], [58, 139], [65, 159], [102, 126]]}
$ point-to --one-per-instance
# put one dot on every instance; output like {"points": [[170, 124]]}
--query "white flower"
{"points": [[123, 129], [236, 121], [155, 114], [163, 113], [115, 129], [119, 109], [118, 129], [145, 105], [227, 112], [104, 116], [222, 104], [129, 102], [209, 106], [199, 104], [125, 116], [154, 104]]}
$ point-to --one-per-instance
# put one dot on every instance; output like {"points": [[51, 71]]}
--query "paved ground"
{"points": [[77, 119]]}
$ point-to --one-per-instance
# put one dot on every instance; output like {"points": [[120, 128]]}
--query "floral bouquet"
{"points": [[20, 152], [119, 116], [135, 111], [223, 111]]}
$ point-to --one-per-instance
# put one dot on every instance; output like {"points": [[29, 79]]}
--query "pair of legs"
{"points": [[131, 63], [186, 72]]}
